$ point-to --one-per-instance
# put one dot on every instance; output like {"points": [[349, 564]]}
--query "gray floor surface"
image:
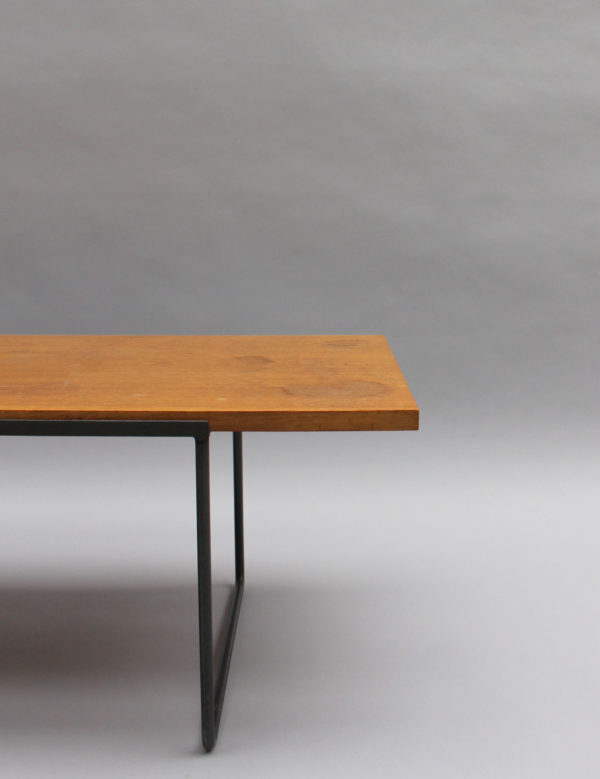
{"points": [[405, 615]]}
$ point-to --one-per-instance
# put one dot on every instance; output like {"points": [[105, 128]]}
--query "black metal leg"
{"points": [[238, 492], [211, 694], [205, 595]]}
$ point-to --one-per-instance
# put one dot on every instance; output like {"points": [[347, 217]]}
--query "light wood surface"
{"points": [[297, 382]]}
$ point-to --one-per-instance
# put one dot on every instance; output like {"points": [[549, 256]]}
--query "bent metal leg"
{"points": [[213, 690], [212, 686]]}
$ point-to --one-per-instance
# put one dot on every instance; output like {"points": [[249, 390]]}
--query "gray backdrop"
{"points": [[423, 605]]}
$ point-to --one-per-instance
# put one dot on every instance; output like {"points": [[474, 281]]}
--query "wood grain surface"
{"points": [[246, 382]]}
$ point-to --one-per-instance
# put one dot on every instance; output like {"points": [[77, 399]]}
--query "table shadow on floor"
{"points": [[304, 654]]}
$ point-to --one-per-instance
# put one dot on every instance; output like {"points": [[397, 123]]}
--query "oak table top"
{"points": [[235, 382]]}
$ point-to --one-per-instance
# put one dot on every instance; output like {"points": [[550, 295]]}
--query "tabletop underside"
{"points": [[239, 383]]}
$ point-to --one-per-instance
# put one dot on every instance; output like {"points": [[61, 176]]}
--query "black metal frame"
{"points": [[212, 686]]}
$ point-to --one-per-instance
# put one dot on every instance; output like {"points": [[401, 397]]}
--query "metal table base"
{"points": [[213, 671]]}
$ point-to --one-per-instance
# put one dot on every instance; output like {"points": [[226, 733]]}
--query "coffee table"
{"points": [[171, 385]]}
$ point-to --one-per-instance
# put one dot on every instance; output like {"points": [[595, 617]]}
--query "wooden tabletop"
{"points": [[245, 382]]}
